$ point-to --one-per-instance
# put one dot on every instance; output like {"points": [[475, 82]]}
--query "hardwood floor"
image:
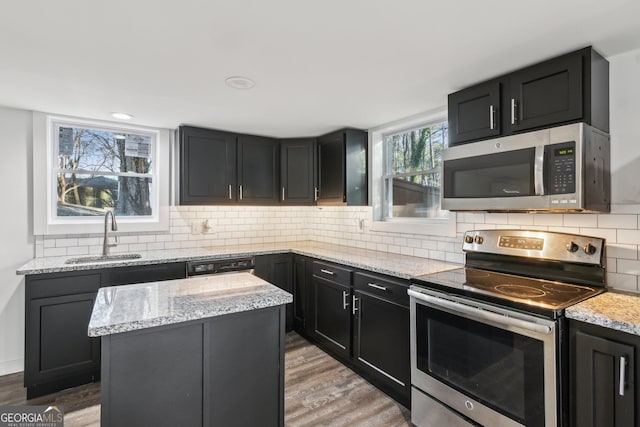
{"points": [[319, 391]]}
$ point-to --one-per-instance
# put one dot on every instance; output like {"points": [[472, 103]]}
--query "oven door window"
{"points": [[506, 174], [502, 369]]}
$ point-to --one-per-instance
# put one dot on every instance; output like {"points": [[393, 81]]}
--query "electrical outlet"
{"points": [[196, 227]]}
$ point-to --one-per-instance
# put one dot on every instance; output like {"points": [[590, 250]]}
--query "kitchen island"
{"points": [[200, 351]]}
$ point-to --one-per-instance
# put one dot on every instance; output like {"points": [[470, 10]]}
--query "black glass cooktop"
{"points": [[516, 291]]}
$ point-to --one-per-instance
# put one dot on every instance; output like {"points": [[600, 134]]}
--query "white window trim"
{"points": [[422, 226], [43, 221]]}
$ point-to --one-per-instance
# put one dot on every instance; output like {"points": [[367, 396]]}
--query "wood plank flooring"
{"points": [[319, 391]]}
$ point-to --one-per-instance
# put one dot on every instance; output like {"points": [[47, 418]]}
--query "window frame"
{"points": [[445, 226], [46, 221]]}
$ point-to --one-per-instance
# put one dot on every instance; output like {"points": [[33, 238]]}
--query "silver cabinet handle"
{"points": [[283, 194], [315, 194], [354, 308], [230, 196], [492, 113], [329, 272], [345, 300], [513, 111], [623, 367], [241, 192], [373, 285]]}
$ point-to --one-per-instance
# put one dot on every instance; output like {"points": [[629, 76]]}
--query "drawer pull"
{"points": [[329, 272], [623, 367], [345, 300], [354, 307], [373, 285]]}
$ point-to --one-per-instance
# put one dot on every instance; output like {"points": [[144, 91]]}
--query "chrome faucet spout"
{"points": [[114, 227]]}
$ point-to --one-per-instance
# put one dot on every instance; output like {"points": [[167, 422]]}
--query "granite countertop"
{"points": [[132, 307], [401, 266], [612, 310]]}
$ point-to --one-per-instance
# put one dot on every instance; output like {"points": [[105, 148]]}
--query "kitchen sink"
{"points": [[100, 258]]}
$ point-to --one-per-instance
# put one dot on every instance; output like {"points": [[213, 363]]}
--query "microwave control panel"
{"points": [[561, 168]]}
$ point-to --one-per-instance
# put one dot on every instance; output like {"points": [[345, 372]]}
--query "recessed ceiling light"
{"points": [[239, 82], [121, 116]]}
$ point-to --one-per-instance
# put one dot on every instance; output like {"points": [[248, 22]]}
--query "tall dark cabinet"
{"points": [[569, 88], [298, 171], [258, 169], [342, 168], [603, 377], [277, 269], [207, 166]]}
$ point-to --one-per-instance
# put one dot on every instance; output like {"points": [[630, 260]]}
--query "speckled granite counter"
{"points": [[131, 307], [611, 310], [400, 266]]}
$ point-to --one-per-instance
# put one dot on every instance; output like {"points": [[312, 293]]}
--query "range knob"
{"points": [[572, 247], [468, 239], [479, 240], [590, 249]]}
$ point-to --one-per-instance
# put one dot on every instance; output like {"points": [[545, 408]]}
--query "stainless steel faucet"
{"points": [[114, 227]]}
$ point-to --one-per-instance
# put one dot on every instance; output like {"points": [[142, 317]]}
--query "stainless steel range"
{"points": [[489, 341]]}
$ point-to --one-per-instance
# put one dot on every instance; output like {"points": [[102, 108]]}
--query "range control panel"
{"points": [[536, 244]]}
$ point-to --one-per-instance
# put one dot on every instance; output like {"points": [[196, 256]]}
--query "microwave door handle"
{"points": [[538, 171]]}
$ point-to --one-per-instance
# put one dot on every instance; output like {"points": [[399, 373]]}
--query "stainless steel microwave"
{"points": [[563, 169]]}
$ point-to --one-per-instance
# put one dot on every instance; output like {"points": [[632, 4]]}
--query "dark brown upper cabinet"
{"points": [[258, 169], [219, 167], [298, 171], [473, 113], [342, 168], [570, 88], [207, 166]]}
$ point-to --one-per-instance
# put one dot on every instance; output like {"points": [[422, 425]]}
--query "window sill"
{"points": [[445, 227]]}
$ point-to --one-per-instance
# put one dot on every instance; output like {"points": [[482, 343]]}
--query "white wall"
{"points": [[240, 225], [16, 235]]}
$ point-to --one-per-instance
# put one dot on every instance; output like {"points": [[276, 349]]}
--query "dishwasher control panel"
{"points": [[209, 266]]}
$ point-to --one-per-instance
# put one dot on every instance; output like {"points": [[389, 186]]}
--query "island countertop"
{"points": [[132, 307]]}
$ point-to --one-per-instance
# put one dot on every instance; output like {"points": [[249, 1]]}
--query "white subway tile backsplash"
{"points": [[617, 250], [581, 220], [618, 221], [628, 266], [631, 237], [623, 282], [496, 218], [548, 219], [520, 219]]}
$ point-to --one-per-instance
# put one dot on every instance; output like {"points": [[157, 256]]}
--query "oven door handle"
{"points": [[479, 314]]}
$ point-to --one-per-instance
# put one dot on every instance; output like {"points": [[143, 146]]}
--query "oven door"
{"points": [[492, 365]]}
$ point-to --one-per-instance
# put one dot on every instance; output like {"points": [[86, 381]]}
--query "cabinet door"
{"points": [[474, 113], [57, 342], [258, 170], [546, 94], [331, 165], [300, 275], [600, 398], [278, 270], [332, 316], [207, 166], [381, 344], [297, 171]]}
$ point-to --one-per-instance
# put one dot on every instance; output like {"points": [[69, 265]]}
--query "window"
{"points": [[97, 169], [412, 176], [82, 168]]}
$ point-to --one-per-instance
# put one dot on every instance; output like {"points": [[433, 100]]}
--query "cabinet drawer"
{"points": [[42, 286], [332, 272], [394, 290]]}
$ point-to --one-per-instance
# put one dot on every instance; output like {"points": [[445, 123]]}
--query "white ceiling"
{"points": [[318, 65]]}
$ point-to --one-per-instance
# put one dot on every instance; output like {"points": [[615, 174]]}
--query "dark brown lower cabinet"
{"points": [[332, 316], [603, 377], [58, 352], [277, 270]]}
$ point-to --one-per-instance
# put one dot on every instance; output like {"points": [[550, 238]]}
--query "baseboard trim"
{"points": [[11, 366]]}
